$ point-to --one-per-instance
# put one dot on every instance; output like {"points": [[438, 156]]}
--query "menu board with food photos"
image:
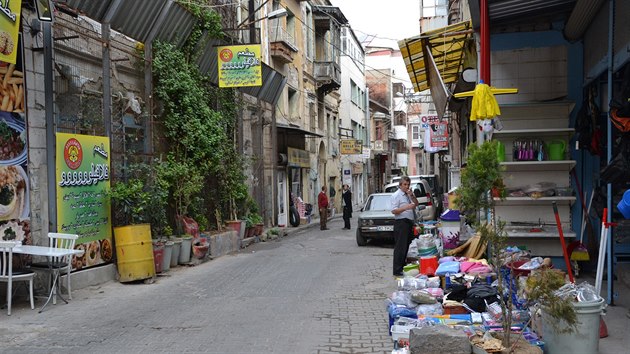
{"points": [[14, 181], [83, 203], [9, 29]]}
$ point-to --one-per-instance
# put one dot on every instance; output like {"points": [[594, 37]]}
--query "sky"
{"points": [[393, 19]]}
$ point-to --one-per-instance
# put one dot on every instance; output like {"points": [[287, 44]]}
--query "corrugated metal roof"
{"points": [[447, 47], [176, 26], [504, 10], [93, 9], [137, 18]]}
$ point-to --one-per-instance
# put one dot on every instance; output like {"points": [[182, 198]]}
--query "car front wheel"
{"points": [[361, 241]]}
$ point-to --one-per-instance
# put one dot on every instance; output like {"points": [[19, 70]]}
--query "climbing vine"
{"points": [[199, 122]]}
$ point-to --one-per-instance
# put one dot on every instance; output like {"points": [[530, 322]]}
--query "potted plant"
{"points": [[133, 234], [234, 223], [481, 174], [568, 325], [249, 226], [185, 180], [257, 221], [168, 248]]}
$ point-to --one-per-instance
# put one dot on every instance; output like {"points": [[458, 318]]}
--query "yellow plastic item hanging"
{"points": [[484, 105]]}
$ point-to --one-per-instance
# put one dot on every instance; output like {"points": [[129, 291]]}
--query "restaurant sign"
{"points": [[239, 65], [83, 202], [439, 135], [9, 29], [351, 147], [298, 158]]}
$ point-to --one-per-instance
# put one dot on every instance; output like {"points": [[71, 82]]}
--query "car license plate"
{"points": [[385, 228]]}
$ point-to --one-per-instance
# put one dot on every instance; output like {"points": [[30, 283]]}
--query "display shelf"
{"points": [[536, 121], [543, 234], [520, 166], [509, 133], [529, 200]]}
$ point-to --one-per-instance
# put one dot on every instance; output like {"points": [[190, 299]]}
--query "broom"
{"points": [[577, 249]]}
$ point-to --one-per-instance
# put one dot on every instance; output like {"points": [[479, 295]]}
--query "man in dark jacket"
{"points": [[346, 201], [322, 203]]}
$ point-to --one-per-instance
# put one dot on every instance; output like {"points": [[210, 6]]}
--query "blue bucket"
{"points": [[624, 205]]}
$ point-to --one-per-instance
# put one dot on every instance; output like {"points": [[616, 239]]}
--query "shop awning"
{"points": [[446, 45], [289, 129]]}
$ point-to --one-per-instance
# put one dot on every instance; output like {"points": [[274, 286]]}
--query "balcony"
{"points": [[282, 44], [400, 132], [327, 75]]}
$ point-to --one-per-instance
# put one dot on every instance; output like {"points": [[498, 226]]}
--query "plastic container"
{"points": [[428, 265], [624, 205], [168, 255], [158, 254], [177, 245], [184, 252], [449, 230], [134, 252], [585, 340]]}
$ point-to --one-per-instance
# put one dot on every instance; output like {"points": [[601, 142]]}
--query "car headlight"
{"points": [[363, 222]]}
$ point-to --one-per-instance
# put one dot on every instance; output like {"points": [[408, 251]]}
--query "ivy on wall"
{"points": [[199, 123]]}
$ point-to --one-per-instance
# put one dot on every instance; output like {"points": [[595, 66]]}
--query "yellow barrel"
{"points": [[134, 252]]}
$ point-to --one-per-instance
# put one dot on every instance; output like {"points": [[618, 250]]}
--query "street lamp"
{"points": [[44, 10], [281, 12]]}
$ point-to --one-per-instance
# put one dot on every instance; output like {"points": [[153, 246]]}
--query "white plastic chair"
{"points": [[8, 275], [58, 266]]}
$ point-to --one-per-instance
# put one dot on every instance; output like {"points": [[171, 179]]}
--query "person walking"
{"points": [[402, 205], [346, 201], [322, 203]]}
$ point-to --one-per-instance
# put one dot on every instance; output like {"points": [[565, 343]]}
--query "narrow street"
{"points": [[309, 292]]}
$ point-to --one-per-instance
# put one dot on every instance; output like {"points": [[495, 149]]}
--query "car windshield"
{"points": [[431, 181], [378, 202], [414, 185], [419, 186]]}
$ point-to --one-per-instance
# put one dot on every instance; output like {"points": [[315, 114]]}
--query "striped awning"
{"points": [[447, 46]]}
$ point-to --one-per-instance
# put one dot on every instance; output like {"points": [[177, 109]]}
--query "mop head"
{"points": [[580, 253]]}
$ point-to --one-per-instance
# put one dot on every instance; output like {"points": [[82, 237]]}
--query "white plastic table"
{"points": [[49, 252]]}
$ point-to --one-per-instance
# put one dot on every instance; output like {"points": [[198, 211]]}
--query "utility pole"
{"points": [[251, 9]]}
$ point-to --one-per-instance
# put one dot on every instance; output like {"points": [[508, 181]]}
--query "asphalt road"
{"points": [[310, 292]]}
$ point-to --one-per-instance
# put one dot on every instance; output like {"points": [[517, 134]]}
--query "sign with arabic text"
{"points": [[9, 28], [351, 147], [239, 65], [83, 202], [298, 158]]}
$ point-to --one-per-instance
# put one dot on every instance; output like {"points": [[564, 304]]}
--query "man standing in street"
{"points": [[402, 204], [322, 203], [346, 201]]}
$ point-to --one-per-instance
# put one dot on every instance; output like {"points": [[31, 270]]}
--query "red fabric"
{"points": [[322, 200]]}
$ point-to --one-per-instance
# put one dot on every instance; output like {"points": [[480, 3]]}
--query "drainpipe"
{"points": [[611, 53], [368, 137], [274, 168], [485, 43], [50, 126], [107, 87]]}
